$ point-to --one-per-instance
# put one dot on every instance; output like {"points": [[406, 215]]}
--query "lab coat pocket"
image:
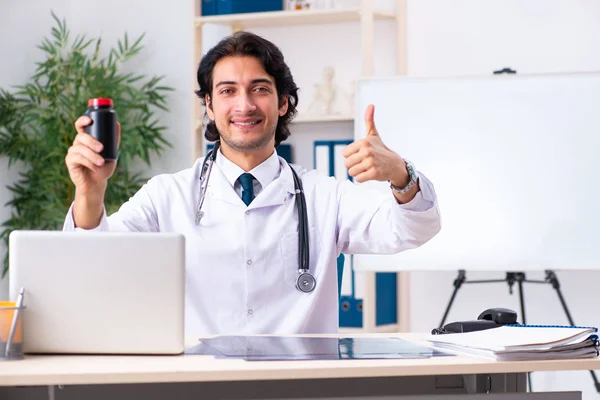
{"points": [[289, 255]]}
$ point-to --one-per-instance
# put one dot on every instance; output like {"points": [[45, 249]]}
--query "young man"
{"points": [[243, 254]]}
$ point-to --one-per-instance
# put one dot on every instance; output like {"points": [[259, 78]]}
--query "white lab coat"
{"points": [[242, 262]]}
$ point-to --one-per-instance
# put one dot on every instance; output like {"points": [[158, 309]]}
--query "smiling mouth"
{"points": [[245, 124]]}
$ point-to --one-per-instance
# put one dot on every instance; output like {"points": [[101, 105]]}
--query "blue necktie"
{"points": [[248, 187]]}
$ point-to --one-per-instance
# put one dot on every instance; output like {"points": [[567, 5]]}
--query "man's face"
{"points": [[244, 104]]}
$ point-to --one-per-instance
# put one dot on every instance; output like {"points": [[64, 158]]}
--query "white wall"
{"points": [[462, 37], [445, 38]]}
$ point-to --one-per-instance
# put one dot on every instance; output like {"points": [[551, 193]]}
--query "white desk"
{"points": [[191, 376]]}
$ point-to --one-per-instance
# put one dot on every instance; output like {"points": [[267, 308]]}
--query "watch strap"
{"points": [[413, 177]]}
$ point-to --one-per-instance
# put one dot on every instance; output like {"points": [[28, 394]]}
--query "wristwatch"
{"points": [[413, 177]]}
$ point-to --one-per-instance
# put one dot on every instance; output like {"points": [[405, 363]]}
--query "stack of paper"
{"points": [[522, 342]]}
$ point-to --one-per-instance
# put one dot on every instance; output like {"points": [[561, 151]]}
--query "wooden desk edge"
{"points": [[80, 370]]}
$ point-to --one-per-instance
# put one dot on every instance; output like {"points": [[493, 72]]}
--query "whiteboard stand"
{"points": [[510, 279]]}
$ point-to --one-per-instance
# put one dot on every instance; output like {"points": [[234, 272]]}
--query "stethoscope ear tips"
{"points": [[306, 282]]}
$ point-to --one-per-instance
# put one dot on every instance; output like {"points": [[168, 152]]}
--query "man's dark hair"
{"points": [[248, 44]]}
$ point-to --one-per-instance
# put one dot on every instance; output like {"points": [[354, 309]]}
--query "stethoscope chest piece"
{"points": [[306, 282]]}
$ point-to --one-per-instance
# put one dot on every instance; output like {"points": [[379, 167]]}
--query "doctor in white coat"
{"points": [[242, 256]]}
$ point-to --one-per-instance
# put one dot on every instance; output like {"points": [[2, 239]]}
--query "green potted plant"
{"points": [[36, 125]]}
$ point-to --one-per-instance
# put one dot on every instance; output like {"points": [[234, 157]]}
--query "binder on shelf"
{"points": [[247, 6], [386, 298], [523, 342], [285, 150], [350, 305], [328, 159], [208, 7]]}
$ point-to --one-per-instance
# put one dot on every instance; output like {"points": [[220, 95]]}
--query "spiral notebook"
{"points": [[523, 342]]}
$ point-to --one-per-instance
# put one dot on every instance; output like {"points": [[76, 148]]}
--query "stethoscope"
{"points": [[306, 281]]}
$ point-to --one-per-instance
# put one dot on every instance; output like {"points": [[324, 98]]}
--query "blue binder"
{"points": [[350, 307], [209, 7], [248, 6], [386, 287], [285, 151]]}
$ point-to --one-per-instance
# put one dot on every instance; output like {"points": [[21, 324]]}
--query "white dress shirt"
{"points": [[242, 261]]}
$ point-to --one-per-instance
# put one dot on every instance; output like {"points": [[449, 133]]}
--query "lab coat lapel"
{"points": [[220, 189]]}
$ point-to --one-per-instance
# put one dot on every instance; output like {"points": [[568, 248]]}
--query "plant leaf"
{"points": [[37, 117]]}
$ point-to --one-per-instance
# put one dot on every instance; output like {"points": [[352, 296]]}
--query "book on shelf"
{"points": [[224, 7], [522, 342]]}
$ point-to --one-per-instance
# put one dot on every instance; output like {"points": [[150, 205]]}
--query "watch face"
{"points": [[412, 175], [411, 172]]}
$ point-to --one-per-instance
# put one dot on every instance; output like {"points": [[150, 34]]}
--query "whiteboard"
{"points": [[515, 162]]}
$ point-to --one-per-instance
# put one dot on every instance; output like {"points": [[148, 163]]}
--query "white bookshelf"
{"points": [[290, 17], [365, 16]]}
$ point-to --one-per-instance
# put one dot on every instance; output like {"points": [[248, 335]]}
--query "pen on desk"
{"points": [[13, 326]]}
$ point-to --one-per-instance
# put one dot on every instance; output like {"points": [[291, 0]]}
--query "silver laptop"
{"points": [[100, 292]]}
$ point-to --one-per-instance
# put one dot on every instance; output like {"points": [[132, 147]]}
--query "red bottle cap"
{"points": [[100, 102]]}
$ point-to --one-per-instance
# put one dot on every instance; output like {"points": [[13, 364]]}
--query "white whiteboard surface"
{"points": [[515, 161]]}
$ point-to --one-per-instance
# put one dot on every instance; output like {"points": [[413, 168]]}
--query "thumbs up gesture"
{"points": [[370, 159]]}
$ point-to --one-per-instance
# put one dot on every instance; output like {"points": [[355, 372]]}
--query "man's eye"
{"points": [[226, 91], [261, 89]]}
